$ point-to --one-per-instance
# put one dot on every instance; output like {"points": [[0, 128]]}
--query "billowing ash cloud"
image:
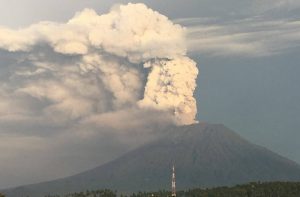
{"points": [[93, 66], [170, 85], [78, 94]]}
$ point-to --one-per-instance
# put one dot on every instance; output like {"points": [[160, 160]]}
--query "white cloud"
{"points": [[253, 37], [277, 5]]}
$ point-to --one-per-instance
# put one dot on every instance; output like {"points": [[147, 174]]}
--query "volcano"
{"points": [[204, 155]]}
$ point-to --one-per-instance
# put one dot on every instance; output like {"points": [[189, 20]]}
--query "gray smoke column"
{"points": [[132, 58]]}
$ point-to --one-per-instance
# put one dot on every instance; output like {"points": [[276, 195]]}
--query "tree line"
{"points": [[255, 189]]}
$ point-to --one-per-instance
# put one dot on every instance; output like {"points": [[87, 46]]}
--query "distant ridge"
{"points": [[205, 155]]}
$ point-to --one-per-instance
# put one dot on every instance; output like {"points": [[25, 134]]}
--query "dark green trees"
{"points": [[88, 193], [273, 189]]}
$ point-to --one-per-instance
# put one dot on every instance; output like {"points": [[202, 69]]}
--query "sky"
{"points": [[246, 54]]}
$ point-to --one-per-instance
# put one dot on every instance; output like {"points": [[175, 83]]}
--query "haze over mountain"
{"points": [[204, 155]]}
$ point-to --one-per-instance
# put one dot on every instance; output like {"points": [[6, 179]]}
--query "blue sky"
{"points": [[247, 53]]}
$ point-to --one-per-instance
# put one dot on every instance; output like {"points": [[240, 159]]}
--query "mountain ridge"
{"points": [[204, 155]]}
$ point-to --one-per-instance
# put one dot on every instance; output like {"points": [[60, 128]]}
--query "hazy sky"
{"points": [[248, 56]]}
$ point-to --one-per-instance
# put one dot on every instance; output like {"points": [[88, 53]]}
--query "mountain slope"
{"points": [[204, 155]]}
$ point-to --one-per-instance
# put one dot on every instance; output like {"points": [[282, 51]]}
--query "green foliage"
{"points": [[275, 189], [95, 193], [272, 189], [2, 195]]}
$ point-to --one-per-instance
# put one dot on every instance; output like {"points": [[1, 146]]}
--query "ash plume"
{"points": [[77, 94], [92, 65]]}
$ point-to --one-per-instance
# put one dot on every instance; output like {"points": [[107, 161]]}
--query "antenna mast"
{"points": [[173, 183]]}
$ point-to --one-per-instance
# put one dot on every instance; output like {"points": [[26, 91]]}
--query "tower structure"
{"points": [[173, 183]]}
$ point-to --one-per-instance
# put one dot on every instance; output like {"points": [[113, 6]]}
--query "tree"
{"points": [[2, 195]]}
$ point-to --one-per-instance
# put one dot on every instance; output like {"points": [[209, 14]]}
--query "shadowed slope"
{"points": [[203, 154]]}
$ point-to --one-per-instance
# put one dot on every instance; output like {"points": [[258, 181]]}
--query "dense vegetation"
{"points": [[95, 193], [274, 189]]}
